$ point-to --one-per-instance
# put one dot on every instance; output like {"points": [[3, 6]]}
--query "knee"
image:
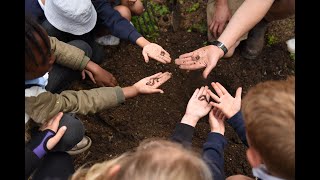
{"points": [[74, 133], [124, 11], [137, 8], [83, 46]]}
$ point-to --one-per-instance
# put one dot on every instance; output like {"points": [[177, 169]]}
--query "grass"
{"points": [[193, 8], [271, 40]]}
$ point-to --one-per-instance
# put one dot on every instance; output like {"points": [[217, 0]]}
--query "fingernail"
{"points": [[64, 128]]}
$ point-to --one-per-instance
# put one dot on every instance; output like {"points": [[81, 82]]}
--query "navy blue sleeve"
{"points": [[183, 134], [33, 9], [112, 19], [213, 154], [237, 123]]}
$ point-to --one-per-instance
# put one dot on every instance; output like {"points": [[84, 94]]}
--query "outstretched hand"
{"points": [[156, 52], [198, 106], [224, 101], [149, 85], [98, 75], [205, 57]]}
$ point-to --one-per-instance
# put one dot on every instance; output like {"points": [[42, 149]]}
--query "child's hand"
{"points": [[198, 106], [225, 102], [150, 84], [156, 52], [131, 2], [216, 121]]}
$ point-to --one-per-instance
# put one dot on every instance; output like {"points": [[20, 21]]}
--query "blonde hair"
{"points": [[269, 115], [152, 159]]}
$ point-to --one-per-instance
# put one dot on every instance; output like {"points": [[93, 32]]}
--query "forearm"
{"points": [[141, 41], [183, 134], [130, 92], [221, 2], [246, 16], [46, 105], [189, 120]]}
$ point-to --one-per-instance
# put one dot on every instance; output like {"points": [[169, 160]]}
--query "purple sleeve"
{"points": [[41, 149]]}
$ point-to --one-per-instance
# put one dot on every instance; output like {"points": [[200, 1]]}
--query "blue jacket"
{"points": [[107, 17], [213, 147]]}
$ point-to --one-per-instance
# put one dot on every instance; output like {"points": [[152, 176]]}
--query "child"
{"points": [[267, 126], [41, 52]]}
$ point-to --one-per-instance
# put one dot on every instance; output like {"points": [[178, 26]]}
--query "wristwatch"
{"points": [[220, 45]]}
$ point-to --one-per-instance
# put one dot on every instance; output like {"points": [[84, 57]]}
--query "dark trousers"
{"points": [[55, 166], [97, 50]]}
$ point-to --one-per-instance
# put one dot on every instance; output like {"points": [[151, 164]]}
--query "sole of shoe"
{"points": [[71, 152]]}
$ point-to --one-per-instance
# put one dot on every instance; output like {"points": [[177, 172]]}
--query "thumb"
{"points": [[238, 93], [157, 91], [207, 71], [55, 139], [145, 56]]}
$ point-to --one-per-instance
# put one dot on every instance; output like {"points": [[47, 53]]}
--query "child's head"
{"points": [[269, 115], [153, 159], [38, 56]]}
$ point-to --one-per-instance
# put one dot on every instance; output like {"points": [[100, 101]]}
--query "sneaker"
{"points": [[82, 146], [108, 40]]}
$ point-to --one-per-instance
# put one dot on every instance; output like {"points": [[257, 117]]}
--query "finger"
{"points": [[186, 55], [162, 79], [216, 105], [221, 115], [213, 96], [166, 59], [220, 29], [217, 89], [114, 81], [155, 75], [195, 93], [92, 78], [56, 121], [192, 66], [83, 75], [207, 71], [200, 91], [218, 113], [215, 28], [223, 90], [207, 94], [156, 91], [238, 93], [166, 53], [145, 56], [55, 139], [211, 26], [183, 60], [158, 58]]}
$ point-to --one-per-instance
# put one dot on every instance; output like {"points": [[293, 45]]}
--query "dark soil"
{"points": [[120, 129]]}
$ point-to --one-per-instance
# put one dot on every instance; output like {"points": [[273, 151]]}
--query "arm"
{"points": [[237, 123], [46, 105], [215, 144], [112, 20], [196, 109]]}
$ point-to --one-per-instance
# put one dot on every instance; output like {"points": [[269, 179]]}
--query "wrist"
{"points": [[190, 120], [91, 66], [220, 46], [217, 130], [142, 42]]}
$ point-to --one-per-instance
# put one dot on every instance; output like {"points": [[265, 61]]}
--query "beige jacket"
{"points": [[42, 106]]}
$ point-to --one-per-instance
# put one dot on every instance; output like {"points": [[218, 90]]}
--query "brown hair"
{"points": [[269, 114], [152, 159]]}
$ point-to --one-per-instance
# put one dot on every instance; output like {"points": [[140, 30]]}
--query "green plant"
{"points": [[292, 56], [198, 27], [160, 10], [271, 40], [193, 8]]}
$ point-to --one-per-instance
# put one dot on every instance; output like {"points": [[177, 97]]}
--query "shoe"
{"points": [[255, 41], [82, 146], [108, 40]]}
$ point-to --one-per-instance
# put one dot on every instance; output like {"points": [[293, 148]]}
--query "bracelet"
{"points": [[220, 45]]}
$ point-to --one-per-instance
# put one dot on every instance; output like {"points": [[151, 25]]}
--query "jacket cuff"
{"points": [[217, 138], [84, 63], [133, 36], [120, 95], [234, 120]]}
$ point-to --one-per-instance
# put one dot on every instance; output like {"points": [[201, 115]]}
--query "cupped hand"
{"points": [[198, 105], [205, 57], [224, 101], [149, 85], [53, 125], [216, 121], [155, 52]]}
